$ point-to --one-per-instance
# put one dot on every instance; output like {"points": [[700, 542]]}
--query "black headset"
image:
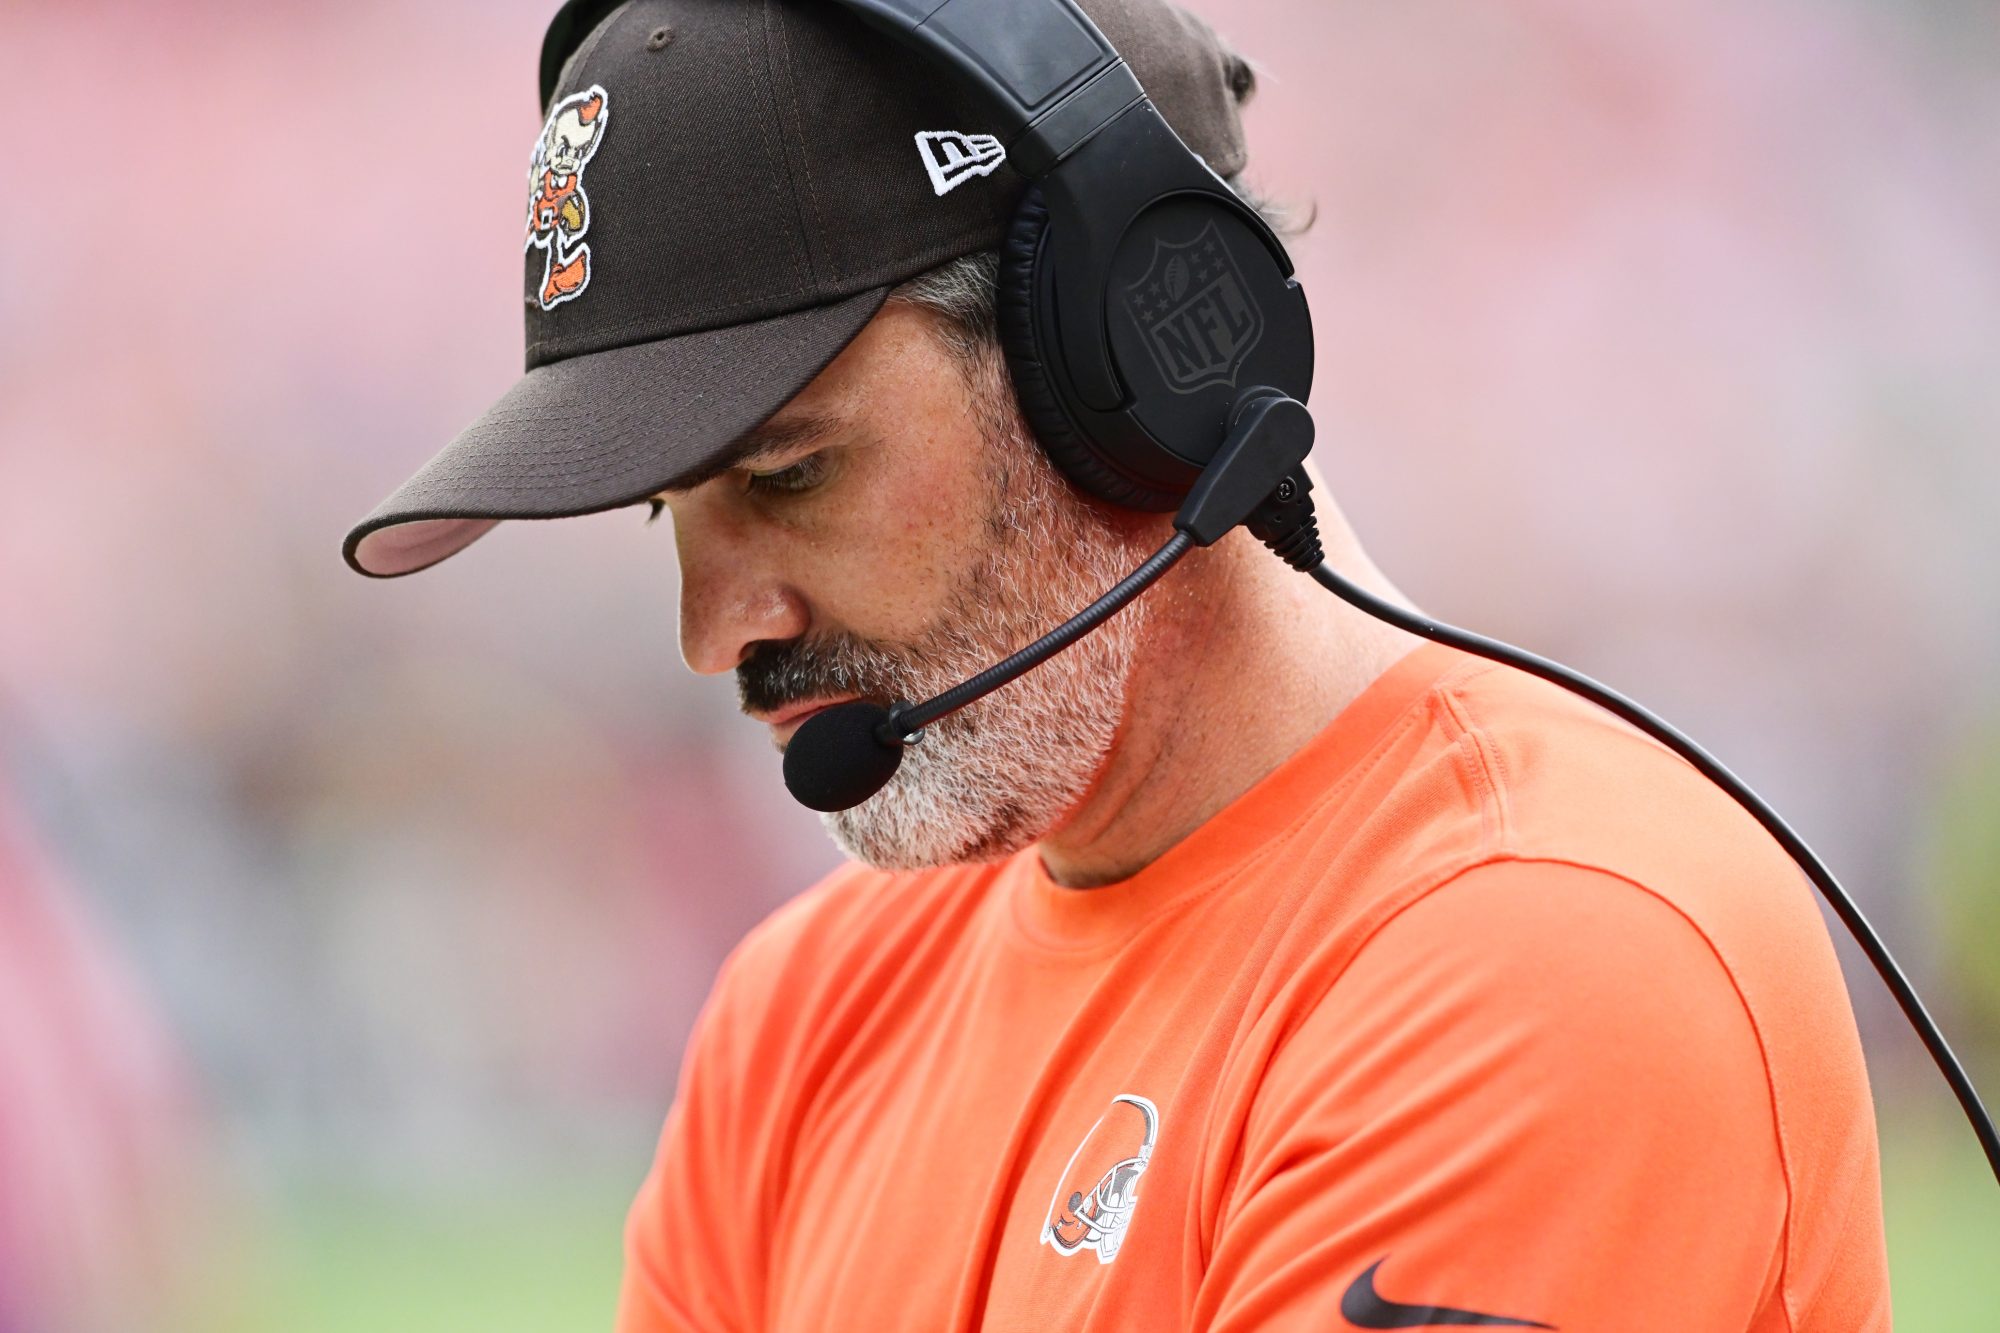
{"points": [[1197, 411]]}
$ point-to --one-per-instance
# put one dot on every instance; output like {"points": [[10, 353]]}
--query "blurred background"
{"points": [[350, 931]]}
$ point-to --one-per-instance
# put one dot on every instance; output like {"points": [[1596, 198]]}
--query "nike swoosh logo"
{"points": [[1363, 1308]]}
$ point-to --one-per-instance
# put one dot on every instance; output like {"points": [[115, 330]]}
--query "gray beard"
{"points": [[1003, 772]]}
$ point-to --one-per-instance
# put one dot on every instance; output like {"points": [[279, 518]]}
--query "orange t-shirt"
{"points": [[1482, 1008]]}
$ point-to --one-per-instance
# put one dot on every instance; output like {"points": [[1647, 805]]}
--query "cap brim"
{"points": [[603, 430]]}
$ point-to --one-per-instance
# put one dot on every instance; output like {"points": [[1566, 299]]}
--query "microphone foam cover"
{"points": [[835, 761]]}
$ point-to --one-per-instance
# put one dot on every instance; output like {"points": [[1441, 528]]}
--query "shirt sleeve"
{"points": [[1534, 1096]]}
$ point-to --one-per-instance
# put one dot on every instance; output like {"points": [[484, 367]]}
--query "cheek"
{"points": [[916, 528]]}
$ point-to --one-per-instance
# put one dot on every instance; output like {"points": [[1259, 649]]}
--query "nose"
{"points": [[732, 595]]}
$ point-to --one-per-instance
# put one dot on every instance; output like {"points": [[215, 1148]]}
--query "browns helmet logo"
{"points": [[558, 211], [1100, 1187]]}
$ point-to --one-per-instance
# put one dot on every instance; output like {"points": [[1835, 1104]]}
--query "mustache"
{"points": [[776, 674]]}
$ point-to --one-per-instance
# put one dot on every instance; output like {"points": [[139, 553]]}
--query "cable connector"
{"points": [[1269, 438], [1285, 523]]}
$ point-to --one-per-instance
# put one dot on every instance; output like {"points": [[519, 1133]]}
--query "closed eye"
{"points": [[793, 479]]}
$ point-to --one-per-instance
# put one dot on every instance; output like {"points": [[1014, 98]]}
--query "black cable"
{"points": [[908, 719], [1606, 697]]}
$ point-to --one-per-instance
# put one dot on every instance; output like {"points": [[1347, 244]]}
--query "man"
{"points": [[1251, 965]]}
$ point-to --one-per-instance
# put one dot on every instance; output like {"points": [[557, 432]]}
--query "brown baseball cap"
{"points": [[722, 195]]}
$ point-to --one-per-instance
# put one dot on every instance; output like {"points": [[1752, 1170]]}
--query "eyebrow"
{"points": [[765, 442]]}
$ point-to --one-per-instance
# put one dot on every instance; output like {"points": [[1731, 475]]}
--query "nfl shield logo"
{"points": [[1195, 312]]}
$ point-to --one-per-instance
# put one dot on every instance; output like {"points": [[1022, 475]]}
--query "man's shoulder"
{"points": [[1527, 787], [1561, 779], [1603, 843], [1618, 923]]}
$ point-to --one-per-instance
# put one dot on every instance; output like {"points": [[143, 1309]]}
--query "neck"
{"points": [[1243, 662]]}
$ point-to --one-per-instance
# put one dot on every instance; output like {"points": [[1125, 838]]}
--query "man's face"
{"points": [[894, 531]]}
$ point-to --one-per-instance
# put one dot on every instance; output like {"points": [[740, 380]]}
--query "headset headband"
{"points": [[1048, 77]]}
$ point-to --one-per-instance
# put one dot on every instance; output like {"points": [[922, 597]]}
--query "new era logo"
{"points": [[953, 158]]}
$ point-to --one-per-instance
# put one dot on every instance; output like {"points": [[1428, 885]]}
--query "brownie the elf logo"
{"points": [[1100, 1187], [558, 211]]}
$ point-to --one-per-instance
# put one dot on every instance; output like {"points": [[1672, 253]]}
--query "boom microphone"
{"points": [[843, 755]]}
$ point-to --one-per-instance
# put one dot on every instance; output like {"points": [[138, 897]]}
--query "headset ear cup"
{"points": [[1021, 254]]}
